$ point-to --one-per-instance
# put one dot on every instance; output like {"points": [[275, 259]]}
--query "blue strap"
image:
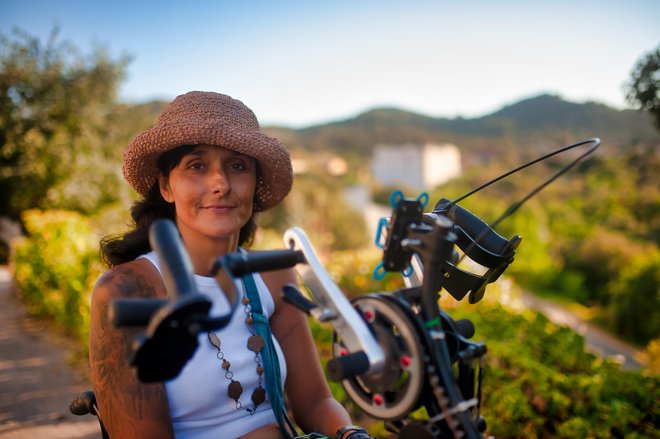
{"points": [[270, 360]]}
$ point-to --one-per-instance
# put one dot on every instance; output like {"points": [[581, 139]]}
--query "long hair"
{"points": [[117, 249]]}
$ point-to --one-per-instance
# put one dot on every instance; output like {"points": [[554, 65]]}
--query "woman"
{"points": [[207, 166]]}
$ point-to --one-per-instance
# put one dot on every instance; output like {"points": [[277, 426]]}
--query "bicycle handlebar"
{"points": [[240, 263], [175, 263]]}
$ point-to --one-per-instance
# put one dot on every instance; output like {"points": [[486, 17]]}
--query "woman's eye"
{"points": [[238, 166]]}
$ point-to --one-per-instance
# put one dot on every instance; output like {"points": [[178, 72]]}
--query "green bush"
{"points": [[56, 266], [541, 382], [635, 295], [353, 270]]}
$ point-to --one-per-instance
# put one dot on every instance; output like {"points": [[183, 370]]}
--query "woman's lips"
{"points": [[219, 208]]}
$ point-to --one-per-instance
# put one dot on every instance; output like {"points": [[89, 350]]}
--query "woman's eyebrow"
{"points": [[239, 154], [197, 152]]}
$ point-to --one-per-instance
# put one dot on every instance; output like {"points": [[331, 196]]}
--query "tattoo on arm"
{"points": [[123, 400]]}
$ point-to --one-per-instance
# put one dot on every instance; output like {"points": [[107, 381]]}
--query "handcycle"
{"points": [[394, 352]]}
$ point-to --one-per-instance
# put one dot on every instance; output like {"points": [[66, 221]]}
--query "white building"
{"points": [[415, 166]]}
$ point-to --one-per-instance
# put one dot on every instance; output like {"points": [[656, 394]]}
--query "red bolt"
{"points": [[405, 361], [343, 352], [378, 400], [368, 315]]}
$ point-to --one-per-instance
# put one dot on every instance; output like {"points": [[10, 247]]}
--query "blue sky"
{"points": [[302, 62]]}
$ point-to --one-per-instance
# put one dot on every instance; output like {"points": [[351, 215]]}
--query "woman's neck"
{"points": [[204, 252]]}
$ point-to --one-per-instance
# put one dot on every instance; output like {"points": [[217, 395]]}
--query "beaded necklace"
{"points": [[255, 344]]}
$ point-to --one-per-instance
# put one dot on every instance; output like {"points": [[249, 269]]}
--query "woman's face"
{"points": [[212, 189]]}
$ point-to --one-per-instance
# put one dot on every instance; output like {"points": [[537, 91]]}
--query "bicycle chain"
{"points": [[446, 411]]}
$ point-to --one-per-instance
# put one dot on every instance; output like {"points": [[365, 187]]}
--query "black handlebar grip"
{"points": [[133, 312], [475, 228], [348, 366], [174, 260], [240, 264]]}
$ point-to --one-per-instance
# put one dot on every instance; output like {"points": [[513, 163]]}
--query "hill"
{"points": [[540, 120]]}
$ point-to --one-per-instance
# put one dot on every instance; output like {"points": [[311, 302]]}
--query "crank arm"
{"points": [[339, 312]]}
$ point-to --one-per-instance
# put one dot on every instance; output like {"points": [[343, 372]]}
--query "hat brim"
{"points": [[275, 176]]}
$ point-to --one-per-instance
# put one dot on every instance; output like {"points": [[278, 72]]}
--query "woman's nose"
{"points": [[220, 184]]}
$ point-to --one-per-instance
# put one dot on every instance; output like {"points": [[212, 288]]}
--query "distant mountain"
{"points": [[547, 113], [540, 120]]}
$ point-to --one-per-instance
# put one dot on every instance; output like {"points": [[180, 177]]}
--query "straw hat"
{"points": [[209, 118]]}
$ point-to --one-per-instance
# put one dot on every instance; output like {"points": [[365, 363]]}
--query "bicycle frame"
{"points": [[421, 343]]}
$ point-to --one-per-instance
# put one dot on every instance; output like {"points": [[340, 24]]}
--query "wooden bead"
{"points": [[234, 390], [258, 396], [249, 320], [256, 343], [226, 365]]}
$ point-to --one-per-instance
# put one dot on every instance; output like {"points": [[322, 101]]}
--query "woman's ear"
{"points": [[165, 188]]}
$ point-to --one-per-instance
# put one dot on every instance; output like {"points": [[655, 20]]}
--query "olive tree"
{"points": [[57, 108], [645, 83]]}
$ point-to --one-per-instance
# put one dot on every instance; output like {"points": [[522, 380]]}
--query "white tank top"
{"points": [[199, 404]]}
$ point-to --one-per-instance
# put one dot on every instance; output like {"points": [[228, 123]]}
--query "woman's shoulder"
{"points": [[276, 280], [134, 279], [279, 278]]}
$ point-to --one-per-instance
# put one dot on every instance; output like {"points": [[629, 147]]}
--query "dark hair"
{"points": [[117, 249]]}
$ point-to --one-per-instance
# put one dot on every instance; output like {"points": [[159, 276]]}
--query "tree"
{"points": [[645, 83], [56, 108]]}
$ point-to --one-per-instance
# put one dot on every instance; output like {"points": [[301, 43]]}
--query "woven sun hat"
{"points": [[207, 118]]}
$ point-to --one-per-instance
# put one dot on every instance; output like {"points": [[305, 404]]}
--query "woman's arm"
{"points": [[128, 407], [308, 394]]}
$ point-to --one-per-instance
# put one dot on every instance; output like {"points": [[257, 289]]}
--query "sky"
{"points": [[299, 63]]}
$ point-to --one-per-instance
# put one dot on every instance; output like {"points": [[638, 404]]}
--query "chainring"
{"points": [[394, 393]]}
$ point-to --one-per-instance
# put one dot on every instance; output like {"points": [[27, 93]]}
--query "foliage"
{"points": [[651, 357], [601, 257], [56, 112], [636, 297], [644, 85], [604, 229], [56, 266], [542, 383], [353, 270], [316, 204]]}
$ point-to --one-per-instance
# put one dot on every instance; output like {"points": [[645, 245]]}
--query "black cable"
{"points": [[595, 140], [515, 206]]}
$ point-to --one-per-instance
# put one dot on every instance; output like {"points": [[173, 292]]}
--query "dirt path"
{"points": [[36, 382], [598, 341]]}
